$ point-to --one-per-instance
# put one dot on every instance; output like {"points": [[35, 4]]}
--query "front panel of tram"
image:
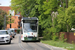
{"points": [[30, 30]]}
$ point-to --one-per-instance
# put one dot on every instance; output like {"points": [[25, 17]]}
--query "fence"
{"points": [[69, 35]]}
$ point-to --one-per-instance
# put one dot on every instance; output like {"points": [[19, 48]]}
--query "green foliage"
{"points": [[50, 6], [40, 33], [55, 36], [66, 18], [60, 44], [2, 15], [47, 34], [71, 3], [61, 19], [18, 31], [62, 37], [62, 22], [26, 7], [10, 20], [70, 13]]}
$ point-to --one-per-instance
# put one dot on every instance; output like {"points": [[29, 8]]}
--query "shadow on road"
{"points": [[5, 44], [31, 41]]}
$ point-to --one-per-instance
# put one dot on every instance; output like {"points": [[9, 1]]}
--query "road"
{"points": [[17, 44]]}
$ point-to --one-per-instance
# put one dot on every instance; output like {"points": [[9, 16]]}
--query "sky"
{"points": [[5, 2]]}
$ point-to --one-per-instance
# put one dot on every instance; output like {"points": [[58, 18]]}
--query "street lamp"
{"points": [[4, 21], [10, 20]]}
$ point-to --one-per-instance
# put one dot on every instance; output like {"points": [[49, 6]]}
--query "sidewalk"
{"points": [[53, 47]]}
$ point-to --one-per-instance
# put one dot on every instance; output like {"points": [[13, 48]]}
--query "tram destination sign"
{"points": [[30, 21]]}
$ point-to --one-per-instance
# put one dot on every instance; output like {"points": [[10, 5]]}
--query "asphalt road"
{"points": [[17, 44]]}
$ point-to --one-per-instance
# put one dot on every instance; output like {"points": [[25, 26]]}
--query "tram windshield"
{"points": [[30, 27]]}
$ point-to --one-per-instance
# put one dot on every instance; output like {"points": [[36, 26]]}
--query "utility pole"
{"points": [[27, 14], [10, 20], [4, 22], [66, 3]]}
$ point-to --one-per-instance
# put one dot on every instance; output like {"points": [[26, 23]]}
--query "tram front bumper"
{"points": [[30, 38]]}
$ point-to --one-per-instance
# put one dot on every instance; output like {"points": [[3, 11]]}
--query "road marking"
{"points": [[20, 46]]}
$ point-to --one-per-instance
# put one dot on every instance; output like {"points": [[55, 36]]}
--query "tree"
{"points": [[63, 18], [43, 9], [10, 20], [71, 12], [26, 7], [2, 15]]}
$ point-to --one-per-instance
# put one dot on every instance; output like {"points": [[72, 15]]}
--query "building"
{"points": [[15, 16]]}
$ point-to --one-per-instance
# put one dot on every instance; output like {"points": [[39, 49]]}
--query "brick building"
{"points": [[15, 16]]}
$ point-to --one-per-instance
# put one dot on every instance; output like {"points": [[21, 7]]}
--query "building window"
{"points": [[18, 23], [18, 26], [19, 18], [15, 16]]}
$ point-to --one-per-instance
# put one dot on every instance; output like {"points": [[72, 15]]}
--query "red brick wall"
{"points": [[70, 36]]}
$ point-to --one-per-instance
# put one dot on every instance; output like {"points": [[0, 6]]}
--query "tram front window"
{"points": [[29, 28], [34, 28]]}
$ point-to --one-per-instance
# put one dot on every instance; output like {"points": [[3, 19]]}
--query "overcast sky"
{"points": [[5, 2]]}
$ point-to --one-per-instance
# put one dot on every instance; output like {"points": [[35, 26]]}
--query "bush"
{"points": [[47, 35], [18, 31], [50, 34], [55, 36], [62, 38]]}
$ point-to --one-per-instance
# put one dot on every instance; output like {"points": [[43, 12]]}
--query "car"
{"points": [[12, 30], [5, 37], [11, 36]]}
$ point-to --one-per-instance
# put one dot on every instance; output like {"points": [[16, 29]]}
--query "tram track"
{"points": [[22, 47], [42, 46], [31, 45]]}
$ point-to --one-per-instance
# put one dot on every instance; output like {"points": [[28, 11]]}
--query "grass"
{"points": [[59, 44]]}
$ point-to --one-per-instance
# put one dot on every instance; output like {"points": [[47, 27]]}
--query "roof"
{"points": [[5, 8]]}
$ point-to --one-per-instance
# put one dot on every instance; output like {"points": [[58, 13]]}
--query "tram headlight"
{"points": [[26, 35], [32, 33]]}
